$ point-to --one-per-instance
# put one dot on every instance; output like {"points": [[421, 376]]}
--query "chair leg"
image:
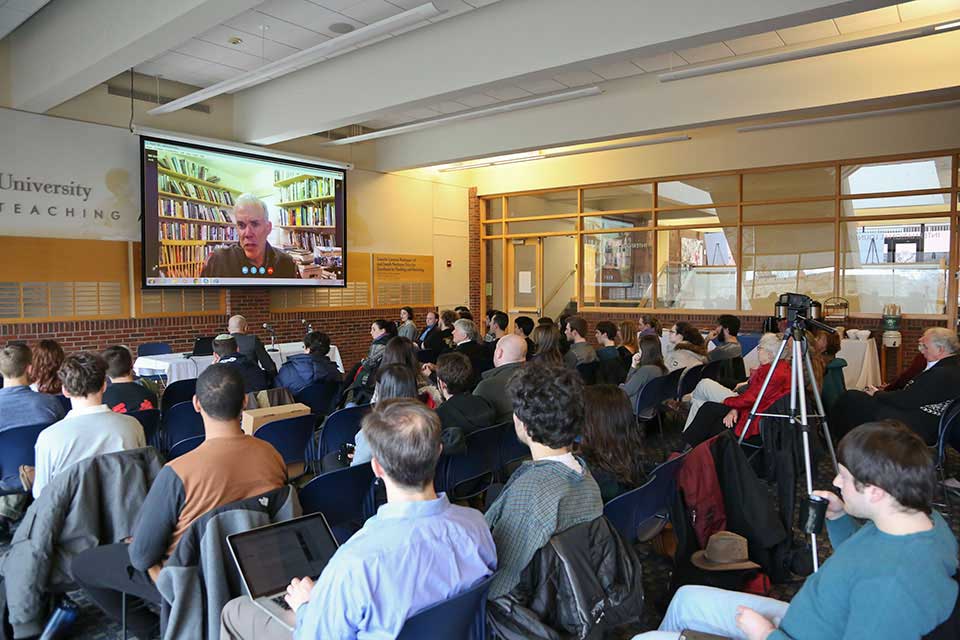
{"points": [[660, 424], [123, 614]]}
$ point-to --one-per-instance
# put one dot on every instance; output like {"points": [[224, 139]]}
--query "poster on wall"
{"points": [[65, 179]]}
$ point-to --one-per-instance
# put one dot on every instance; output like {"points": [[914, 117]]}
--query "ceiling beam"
{"points": [[499, 42], [69, 47]]}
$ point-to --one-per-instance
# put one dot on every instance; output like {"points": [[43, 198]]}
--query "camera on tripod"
{"points": [[791, 305]]}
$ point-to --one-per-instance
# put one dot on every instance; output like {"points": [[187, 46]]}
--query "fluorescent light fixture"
{"points": [[800, 54], [304, 58], [848, 116], [561, 154], [516, 105], [227, 145]]}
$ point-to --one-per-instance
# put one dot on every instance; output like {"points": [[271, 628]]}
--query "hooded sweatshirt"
{"points": [[461, 414], [305, 369]]}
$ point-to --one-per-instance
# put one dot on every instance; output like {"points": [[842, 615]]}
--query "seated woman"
{"points": [[393, 381], [547, 340], [360, 377], [646, 365], [689, 349], [310, 367], [401, 350], [715, 407], [627, 337], [47, 357], [833, 382], [612, 445]]}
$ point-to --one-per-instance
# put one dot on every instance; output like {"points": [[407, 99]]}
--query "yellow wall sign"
{"points": [[402, 279]]}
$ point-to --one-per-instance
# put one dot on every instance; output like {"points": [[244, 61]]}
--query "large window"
{"points": [[871, 231]]}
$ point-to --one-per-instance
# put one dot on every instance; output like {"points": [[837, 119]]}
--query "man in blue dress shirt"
{"points": [[418, 550]]}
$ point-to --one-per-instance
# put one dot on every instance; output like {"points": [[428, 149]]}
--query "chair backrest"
{"points": [[689, 379], [339, 494], [64, 402], [672, 384], [289, 436], [629, 510], [17, 448], [153, 349], [463, 616], [319, 396], [177, 392], [149, 419], [184, 446], [588, 371], [949, 422], [711, 370], [651, 395], [511, 449], [179, 423], [470, 473], [341, 426]]}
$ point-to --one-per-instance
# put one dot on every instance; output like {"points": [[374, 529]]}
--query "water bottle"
{"points": [[64, 616]]}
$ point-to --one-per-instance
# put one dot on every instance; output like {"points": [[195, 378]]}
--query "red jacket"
{"points": [[779, 387]]}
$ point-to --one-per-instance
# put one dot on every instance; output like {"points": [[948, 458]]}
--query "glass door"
{"points": [[526, 270]]}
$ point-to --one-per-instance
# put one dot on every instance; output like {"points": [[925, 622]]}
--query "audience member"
{"points": [[891, 573], [442, 340], [186, 488], [917, 366], [467, 341], [645, 365], [627, 337], [313, 366], [402, 351], [89, 428], [714, 407], [463, 313], [580, 350], [392, 381], [430, 329], [726, 333], [562, 326], [546, 339], [379, 335], [125, 394], [509, 356], [523, 327], [546, 320], [919, 404], [407, 327], [605, 333], [47, 357], [687, 347], [249, 345], [834, 384], [649, 326], [21, 406], [612, 445], [487, 324], [555, 490], [461, 412], [225, 352], [498, 325], [418, 550]]}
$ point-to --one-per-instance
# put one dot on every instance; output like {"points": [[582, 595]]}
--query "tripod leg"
{"points": [[763, 389], [798, 352], [820, 410]]}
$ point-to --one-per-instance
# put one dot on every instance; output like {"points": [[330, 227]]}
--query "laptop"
{"points": [[269, 557], [203, 346]]}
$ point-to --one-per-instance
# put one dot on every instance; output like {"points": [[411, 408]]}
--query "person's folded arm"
{"points": [[157, 520]]}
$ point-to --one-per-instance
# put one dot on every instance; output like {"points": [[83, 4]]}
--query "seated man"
{"points": [[920, 403], [90, 428], [418, 550], [580, 350], [225, 352], [311, 367], [553, 492], [890, 578], [461, 412], [508, 357], [21, 406], [726, 331], [250, 345], [523, 327], [186, 488], [125, 394]]}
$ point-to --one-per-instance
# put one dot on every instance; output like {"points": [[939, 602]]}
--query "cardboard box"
{"points": [[253, 419]]}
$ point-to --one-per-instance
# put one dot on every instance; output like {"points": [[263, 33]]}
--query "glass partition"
{"points": [[697, 269], [786, 258], [618, 269], [542, 204]]}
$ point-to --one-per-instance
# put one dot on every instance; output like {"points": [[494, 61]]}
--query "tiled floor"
{"points": [[93, 625]]}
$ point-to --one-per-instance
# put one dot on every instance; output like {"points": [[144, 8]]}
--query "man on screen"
{"points": [[252, 255]]}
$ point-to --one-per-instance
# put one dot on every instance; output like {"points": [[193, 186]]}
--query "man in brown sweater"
{"points": [[228, 466]]}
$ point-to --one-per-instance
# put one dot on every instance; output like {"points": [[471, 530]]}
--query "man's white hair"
{"points": [[469, 328], [944, 338], [250, 200]]}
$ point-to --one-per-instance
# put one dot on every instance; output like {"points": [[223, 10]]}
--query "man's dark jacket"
{"points": [[254, 378], [493, 388], [460, 415], [251, 346]]}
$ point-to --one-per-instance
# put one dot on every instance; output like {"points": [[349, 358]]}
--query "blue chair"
{"points": [[320, 397], [17, 448], [511, 450], [341, 427], [290, 436], [689, 380], [632, 509], [468, 474], [651, 396], [748, 341], [672, 384], [711, 370], [339, 495], [464, 616], [949, 423], [185, 446], [153, 349], [149, 419], [179, 423], [64, 402], [177, 392]]}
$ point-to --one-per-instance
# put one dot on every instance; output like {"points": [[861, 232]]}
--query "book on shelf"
{"points": [[185, 261], [191, 190], [170, 230], [309, 240], [187, 168], [309, 216], [308, 187], [193, 210]]}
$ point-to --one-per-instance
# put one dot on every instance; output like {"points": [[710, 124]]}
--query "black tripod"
{"points": [[800, 362]]}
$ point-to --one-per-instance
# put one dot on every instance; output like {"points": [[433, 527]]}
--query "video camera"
{"points": [[794, 306]]}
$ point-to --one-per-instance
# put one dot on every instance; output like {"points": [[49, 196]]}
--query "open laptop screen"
{"points": [[270, 557]]}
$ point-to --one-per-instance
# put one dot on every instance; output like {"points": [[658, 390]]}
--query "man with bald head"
{"points": [[252, 256], [508, 356], [920, 404], [250, 345]]}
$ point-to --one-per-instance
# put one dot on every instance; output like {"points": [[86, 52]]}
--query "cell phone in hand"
{"points": [[688, 634]]}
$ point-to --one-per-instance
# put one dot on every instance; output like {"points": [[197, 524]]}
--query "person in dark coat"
{"points": [[461, 412], [225, 352], [310, 367]]}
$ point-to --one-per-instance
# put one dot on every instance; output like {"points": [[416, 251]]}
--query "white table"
{"points": [[863, 363], [176, 367]]}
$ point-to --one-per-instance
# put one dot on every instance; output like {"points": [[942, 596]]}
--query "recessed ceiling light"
{"points": [[235, 41], [341, 27]]}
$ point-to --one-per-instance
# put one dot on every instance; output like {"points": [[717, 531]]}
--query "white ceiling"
{"points": [[277, 29], [13, 13]]}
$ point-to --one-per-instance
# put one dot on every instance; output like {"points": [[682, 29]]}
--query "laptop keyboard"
{"points": [[279, 601]]}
